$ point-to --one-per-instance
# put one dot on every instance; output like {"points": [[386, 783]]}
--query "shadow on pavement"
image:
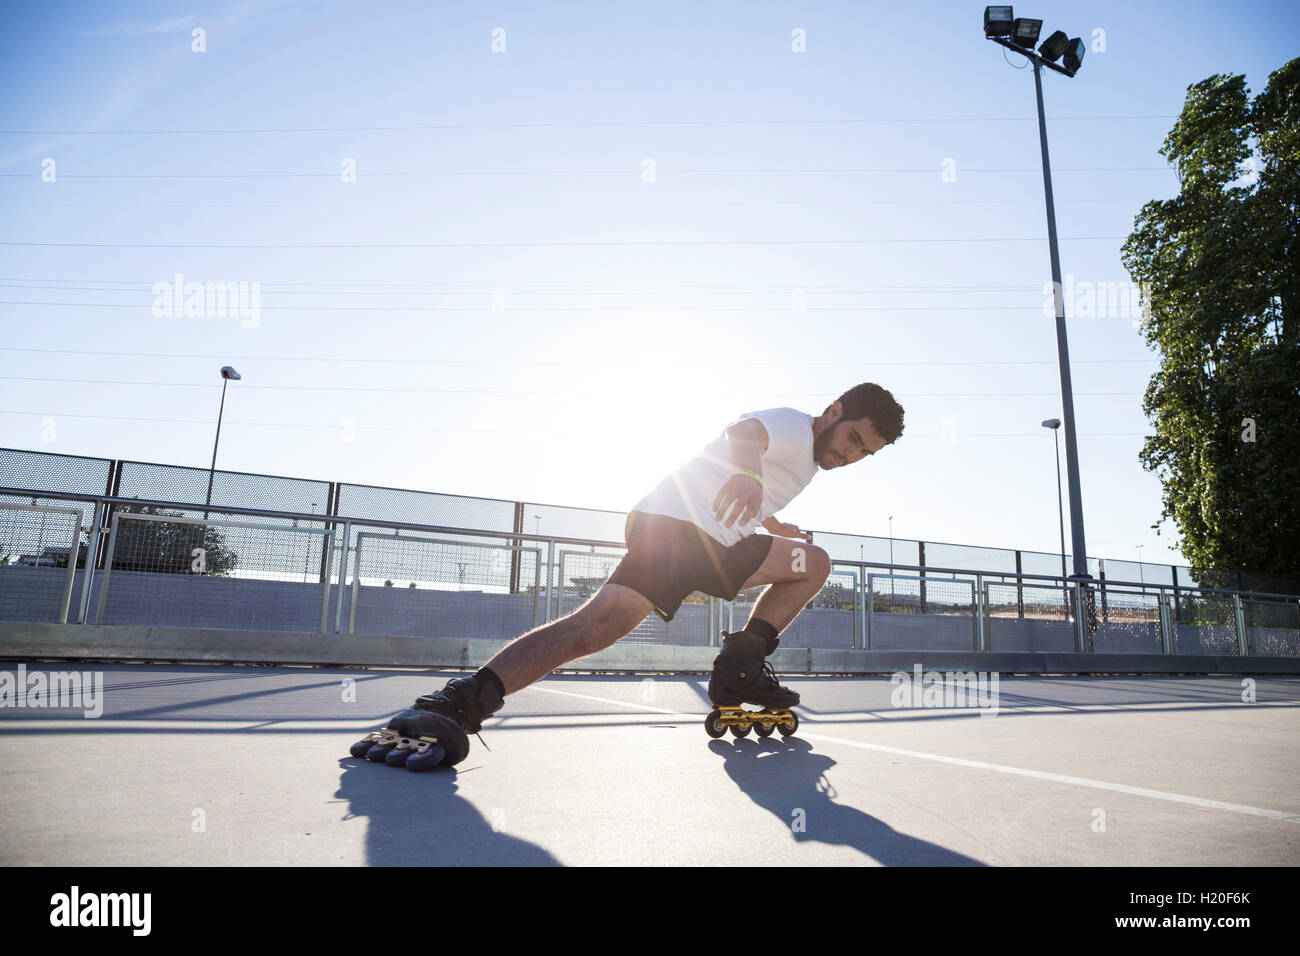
{"points": [[785, 777], [417, 819]]}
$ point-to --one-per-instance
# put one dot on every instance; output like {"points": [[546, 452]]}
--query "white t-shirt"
{"points": [[788, 466]]}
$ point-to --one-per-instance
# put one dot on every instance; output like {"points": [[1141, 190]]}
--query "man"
{"points": [[696, 531]]}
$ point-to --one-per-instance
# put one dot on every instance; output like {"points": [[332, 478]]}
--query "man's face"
{"points": [[846, 442]]}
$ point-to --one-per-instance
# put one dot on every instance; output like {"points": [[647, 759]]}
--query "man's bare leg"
{"points": [[608, 615], [793, 580], [794, 573]]}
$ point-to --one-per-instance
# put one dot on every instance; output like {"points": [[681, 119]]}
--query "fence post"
{"points": [[108, 567], [327, 558], [517, 526], [92, 552], [1020, 588], [1178, 610], [550, 573], [858, 610], [978, 595], [920, 548], [1101, 572], [1166, 624], [871, 608], [1243, 645], [74, 552], [343, 577], [1080, 645]]}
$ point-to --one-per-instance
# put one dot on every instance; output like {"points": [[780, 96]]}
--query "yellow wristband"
{"points": [[752, 474]]}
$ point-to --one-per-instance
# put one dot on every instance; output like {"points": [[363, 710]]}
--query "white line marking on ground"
{"points": [[1000, 768]]}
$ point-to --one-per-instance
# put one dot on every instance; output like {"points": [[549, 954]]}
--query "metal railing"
{"points": [[260, 568], [78, 475]]}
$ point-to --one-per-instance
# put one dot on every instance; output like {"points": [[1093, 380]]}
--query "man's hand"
{"points": [[787, 530], [745, 493]]}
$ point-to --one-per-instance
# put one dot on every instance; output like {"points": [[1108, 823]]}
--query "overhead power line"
{"points": [[563, 308], [334, 174], [710, 362], [586, 393], [538, 245], [592, 124], [361, 427]]}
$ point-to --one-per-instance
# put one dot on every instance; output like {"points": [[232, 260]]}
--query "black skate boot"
{"points": [[435, 731], [741, 675]]}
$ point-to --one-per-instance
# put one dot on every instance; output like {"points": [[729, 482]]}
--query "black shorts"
{"points": [[668, 559]]}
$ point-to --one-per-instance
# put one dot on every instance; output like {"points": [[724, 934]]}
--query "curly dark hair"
{"points": [[869, 400]]}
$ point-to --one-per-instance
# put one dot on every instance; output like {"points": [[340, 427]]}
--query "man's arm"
{"points": [[746, 442], [784, 529]]}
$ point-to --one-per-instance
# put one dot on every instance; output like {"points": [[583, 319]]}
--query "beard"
{"points": [[822, 446]]}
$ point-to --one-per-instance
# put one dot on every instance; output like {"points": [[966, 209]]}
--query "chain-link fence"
{"points": [[1128, 622], [1028, 617], [405, 584], [284, 570], [909, 612], [40, 551], [167, 569], [1272, 627], [1205, 623], [46, 471], [138, 479]]}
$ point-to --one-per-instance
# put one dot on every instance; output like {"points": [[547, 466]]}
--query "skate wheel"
{"points": [[786, 731], [397, 756], [379, 752], [361, 747], [431, 758], [711, 726], [764, 730], [740, 730]]}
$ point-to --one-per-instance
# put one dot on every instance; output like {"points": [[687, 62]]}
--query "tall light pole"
{"points": [[1141, 576], [228, 375], [1020, 35], [1054, 424]]}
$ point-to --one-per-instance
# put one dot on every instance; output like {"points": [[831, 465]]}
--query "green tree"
{"points": [[168, 547], [1218, 265]]}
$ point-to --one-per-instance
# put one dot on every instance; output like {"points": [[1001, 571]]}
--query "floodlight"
{"points": [[1054, 46], [1024, 32], [1074, 55], [997, 21]]}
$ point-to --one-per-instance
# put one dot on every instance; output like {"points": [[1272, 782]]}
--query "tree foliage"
{"points": [[1218, 264]]}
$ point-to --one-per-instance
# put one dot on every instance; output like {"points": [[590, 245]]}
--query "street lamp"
{"points": [[1019, 34], [1141, 577], [228, 375]]}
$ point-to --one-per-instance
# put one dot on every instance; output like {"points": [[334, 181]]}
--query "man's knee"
{"points": [[812, 563], [819, 564]]}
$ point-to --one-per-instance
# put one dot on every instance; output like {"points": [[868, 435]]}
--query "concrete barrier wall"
{"points": [[37, 641]]}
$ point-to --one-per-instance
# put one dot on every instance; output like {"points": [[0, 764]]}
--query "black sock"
{"points": [[761, 628], [486, 674]]}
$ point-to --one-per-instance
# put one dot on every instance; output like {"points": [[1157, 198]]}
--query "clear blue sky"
{"points": [[639, 318]]}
